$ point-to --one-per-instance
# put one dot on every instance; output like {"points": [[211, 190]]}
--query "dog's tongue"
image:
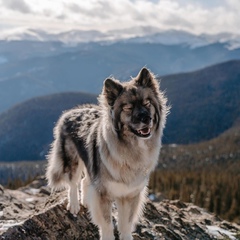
{"points": [[145, 131]]}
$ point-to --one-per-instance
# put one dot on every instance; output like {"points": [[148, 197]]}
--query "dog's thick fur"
{"points": [[111, 148]]}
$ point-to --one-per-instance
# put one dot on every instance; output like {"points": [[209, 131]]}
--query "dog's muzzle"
{"points": [[142, 124], [142, 117]]}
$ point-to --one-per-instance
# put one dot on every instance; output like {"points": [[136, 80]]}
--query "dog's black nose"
{"points": [[144, 118]]}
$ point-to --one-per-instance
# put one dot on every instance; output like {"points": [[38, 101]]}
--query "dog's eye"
{"points": [[147, 103], [127, 108]]}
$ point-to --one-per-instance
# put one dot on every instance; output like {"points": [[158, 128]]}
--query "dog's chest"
{"points": [[117, 189]]}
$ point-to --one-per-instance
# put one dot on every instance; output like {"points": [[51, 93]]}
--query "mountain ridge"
{"points": [[134, 34], [35, 119], [205, 103], [85, 67], [209, 97]]}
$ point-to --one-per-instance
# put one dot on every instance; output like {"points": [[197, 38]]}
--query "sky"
{"points": [[196, 16]]}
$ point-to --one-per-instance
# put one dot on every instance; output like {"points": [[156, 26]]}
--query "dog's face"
{"points": [[135, 106]]}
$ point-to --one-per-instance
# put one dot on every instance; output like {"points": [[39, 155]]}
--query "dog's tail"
{"points": [[55, 168]]}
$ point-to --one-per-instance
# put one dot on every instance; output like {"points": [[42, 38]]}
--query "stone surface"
{"points": [[33, 212]]}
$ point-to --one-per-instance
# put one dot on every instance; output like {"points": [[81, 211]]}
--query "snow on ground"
{"points": [[220, 232]]}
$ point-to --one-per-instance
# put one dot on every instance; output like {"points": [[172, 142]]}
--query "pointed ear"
{"points": [[146, 79], [112, 90]]}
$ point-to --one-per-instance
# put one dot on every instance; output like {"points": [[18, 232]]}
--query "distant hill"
{"points": [[26, 130], [205, 103], [46, 68], [222, 152]]}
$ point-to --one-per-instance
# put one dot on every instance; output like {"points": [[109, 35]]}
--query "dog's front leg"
{"points": [[129, 210], [101, 212]]}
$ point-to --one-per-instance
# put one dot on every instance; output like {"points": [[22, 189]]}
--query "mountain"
{"points": [[13, 51], [70, 37], [143, 34], [174, 37], [27, 129], [85, 66], [204, 103], [222, 152]]}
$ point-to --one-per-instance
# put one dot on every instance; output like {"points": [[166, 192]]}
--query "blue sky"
{"points": [[197, 16]]}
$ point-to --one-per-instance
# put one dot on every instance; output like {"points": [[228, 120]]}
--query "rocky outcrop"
{"points": [[46, 217]]}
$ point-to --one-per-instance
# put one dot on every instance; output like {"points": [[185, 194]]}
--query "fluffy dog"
{"points": [[111, 148]]}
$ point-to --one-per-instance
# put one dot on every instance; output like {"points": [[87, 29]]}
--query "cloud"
{"points": [[174, 21], [17, 5], [99, 10], [200, 16]]}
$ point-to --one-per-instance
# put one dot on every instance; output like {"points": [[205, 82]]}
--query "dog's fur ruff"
{"points": [[111, 148]]}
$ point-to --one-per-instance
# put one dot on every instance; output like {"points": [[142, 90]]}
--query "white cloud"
{"points": [[17, 5], [200, 16]]}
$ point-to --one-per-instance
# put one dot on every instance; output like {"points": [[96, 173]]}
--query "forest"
{"points": [[206, 174], [216, 191]]}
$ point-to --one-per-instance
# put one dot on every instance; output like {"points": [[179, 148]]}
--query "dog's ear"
{"points": [[146, 79], [112, 90]]}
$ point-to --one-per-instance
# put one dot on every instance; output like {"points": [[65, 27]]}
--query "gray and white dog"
{"points": [[111, 148]]}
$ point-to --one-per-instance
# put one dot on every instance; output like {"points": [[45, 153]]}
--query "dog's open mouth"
{"points": [[144, 132]]}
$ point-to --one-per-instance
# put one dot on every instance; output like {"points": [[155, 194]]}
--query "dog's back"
{"points": [[75, 135]]}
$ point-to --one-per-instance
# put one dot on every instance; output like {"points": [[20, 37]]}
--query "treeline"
{"points": [[17, 174], [216, 191], [18, 182]]}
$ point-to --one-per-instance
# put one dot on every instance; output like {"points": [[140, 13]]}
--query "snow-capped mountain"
{"points": [[69, 37], [35, 62], [131, 35], [175, 37]]}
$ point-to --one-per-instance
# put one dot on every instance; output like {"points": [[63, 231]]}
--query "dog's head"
{"points": [[136, 107]]}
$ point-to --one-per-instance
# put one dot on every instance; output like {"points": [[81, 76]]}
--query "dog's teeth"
{"points": [[144, 131]]}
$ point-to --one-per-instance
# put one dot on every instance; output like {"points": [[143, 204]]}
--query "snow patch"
{"points": [[30, 199], [8, 224], [220, 232], [32, 191]]}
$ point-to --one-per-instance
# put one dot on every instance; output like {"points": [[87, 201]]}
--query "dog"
{"points": [[111, 148]]}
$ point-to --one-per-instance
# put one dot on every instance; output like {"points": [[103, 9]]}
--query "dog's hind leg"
{"points": [[65, 169], [84, 189], [73, 175], [73, 190], [101, 212], [73, 199], [129, 210]]}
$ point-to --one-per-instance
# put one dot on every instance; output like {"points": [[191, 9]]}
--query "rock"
{"points": [[48, 218], [55, 223]]}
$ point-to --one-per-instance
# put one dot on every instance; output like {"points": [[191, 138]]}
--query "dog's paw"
{"points": [[74, 208]]}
